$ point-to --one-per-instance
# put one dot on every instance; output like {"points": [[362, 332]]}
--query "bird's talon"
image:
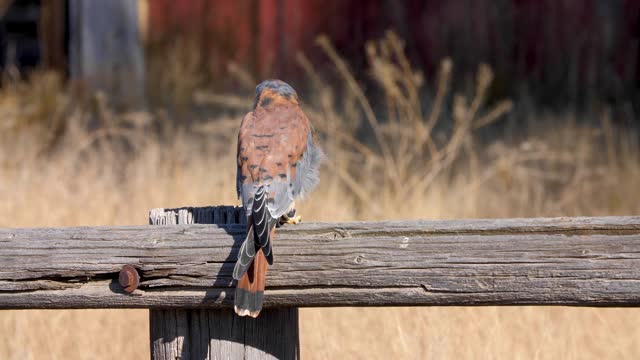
{"points": [[294, 220], [291, 220]]}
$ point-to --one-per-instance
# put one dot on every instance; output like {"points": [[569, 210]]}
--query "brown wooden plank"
{"points": [[570, 261]]}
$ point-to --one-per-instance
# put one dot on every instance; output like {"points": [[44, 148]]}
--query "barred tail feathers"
{"points": [[250, 289], [254, 257]]}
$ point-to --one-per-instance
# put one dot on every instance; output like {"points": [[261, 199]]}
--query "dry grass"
{"points": [[63, 163]]}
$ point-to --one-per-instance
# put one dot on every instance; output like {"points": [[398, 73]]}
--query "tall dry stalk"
{"points": [[405, 160]]}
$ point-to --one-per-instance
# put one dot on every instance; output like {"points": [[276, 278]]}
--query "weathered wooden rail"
{"points": [[549, 261]]}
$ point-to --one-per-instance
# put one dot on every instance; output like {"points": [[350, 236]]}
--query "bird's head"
{"points": [[274, 92]]}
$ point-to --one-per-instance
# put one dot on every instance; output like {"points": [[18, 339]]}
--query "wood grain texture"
{"points": [[219, 333], [568, 261]]}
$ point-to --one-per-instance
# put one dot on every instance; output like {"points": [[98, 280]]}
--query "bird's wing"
{"points": [[308, 169]]}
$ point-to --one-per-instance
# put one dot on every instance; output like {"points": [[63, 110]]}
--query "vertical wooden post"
{"points": [[51, 33], [219, 334]]}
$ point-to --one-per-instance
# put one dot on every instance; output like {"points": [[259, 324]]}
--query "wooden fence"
{"points": [[182, 271]]}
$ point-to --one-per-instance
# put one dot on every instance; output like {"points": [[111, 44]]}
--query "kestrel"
{"points": [[277, 164]]}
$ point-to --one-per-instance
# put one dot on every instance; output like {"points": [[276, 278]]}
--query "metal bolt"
{"points": [[129, 278]]}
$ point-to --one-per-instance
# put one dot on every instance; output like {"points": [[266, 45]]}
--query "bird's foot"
{"points": [[293, 220], [290, 218]]}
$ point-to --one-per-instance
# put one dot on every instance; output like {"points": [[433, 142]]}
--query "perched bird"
{"points": [[277, 163]]}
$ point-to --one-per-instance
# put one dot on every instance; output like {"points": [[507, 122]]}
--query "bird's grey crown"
{"points": [[278, 86]]}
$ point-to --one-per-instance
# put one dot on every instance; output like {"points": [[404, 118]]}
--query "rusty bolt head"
{"points": [[129, 278]]}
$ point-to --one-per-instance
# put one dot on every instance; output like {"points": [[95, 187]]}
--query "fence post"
{"points": [[105, 49], [219, 334]]}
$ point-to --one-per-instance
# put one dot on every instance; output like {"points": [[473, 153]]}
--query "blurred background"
{"points": [[434, 109]]}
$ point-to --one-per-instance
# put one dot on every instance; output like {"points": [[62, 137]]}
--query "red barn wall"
{"points": [[529, 40]]}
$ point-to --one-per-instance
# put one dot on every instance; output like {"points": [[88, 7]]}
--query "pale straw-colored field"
{"points": [[431, 164]]}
